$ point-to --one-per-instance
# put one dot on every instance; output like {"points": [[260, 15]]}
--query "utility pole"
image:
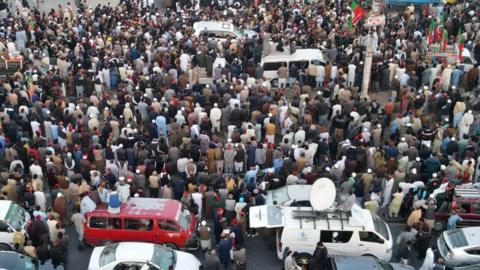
{"points": [[367, 65], [375, 18]]}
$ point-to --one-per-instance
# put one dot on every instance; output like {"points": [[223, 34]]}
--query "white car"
{"points": [[140, 256], [290, 195]]}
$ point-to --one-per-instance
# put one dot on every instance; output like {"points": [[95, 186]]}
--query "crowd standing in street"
{"points": [[109, 105]]}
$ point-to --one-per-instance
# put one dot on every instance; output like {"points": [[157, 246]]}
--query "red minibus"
{"points": [[160, 221]]}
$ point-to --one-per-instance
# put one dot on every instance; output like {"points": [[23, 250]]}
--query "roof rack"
{"points": [[335, 215], [469, 193]]}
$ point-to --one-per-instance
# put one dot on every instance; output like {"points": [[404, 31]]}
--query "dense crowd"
{"points": [[108, 105]]}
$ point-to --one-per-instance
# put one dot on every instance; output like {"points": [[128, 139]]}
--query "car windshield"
{"points": [[457, 238], [108, 254], [163, 258], [380, 226], [184, 219], [280, 195], [15, 216]]}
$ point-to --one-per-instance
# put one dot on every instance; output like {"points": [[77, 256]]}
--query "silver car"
{"points": [[460, 247]]}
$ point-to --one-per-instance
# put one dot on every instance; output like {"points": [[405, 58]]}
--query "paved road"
{"points": [[260, 252]]}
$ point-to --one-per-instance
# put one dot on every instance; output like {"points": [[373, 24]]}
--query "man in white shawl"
{"points": [[387, 194], [429, 259], [215, 117], [467, 121]]}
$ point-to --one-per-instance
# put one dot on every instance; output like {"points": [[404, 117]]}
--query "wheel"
{"points": [[439, 226], [302, 259], [5, 247], [106, 242], [171, 246], [369, 255]]}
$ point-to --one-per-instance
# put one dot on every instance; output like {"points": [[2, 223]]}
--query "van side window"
{"points": [[300, 64], [140, 224], [114, 223], [335, 236], [273, 66], [168, 225], [370, 237], [98, 222]]}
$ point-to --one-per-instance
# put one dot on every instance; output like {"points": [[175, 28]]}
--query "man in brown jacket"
{"points": [[367, 179], [204, 235]]}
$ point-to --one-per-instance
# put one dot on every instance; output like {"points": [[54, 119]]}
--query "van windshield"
{"points": [[380, 226], [16, 216], [184, 219]]}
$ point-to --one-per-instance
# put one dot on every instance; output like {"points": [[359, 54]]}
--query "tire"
{"points": [[439, 226], [302, 258], [369, 255], [5, 247], [106, 242], [171, 246]]}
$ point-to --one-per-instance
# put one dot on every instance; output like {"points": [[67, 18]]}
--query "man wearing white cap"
{"points": [[123, 189], [205, 236], [140, 179], [465, 123], [215, 117]]}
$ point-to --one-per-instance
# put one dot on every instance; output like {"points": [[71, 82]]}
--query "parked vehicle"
{"points": [[138, 255], [301, 58], [364, 263], [348, 233], [466, 202], [450, 56], [159, 221], [221, 30], [460, 247], [12, 216]]}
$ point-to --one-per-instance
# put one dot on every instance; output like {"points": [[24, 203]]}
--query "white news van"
{"points": [[12, 216], [301, 58], [348, 233]]}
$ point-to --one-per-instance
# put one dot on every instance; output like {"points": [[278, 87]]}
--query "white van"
{"points": [[301, 58], [352, 233], [222, 30], [12, 216]]}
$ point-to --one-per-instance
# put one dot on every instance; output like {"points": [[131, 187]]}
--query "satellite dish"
{"points": [[322, 194]]}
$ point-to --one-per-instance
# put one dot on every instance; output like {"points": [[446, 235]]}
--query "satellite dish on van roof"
{"points": [[322, 194]]}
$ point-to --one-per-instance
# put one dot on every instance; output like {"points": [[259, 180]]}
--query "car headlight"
{"points": [[448, 255]]}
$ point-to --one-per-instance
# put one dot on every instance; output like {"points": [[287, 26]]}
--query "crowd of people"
{"points": [[110, 103]]}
